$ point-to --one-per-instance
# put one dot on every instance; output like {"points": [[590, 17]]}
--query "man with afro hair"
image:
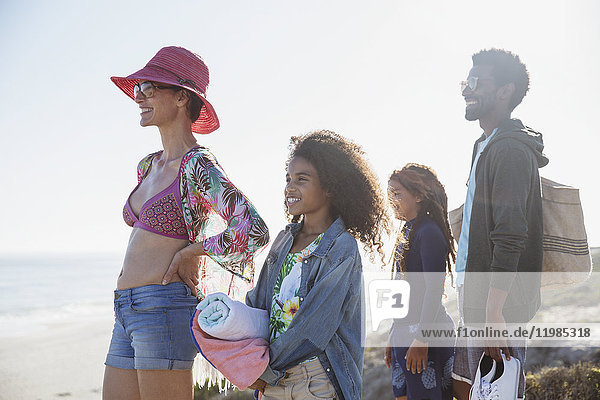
{"points": [[501, 235]]}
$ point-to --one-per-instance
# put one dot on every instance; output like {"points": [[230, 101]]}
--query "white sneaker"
{"points": [[506, 380], [502, 385], [485, 374]]}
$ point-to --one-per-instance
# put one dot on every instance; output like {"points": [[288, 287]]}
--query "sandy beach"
{"points": [[56, 318], [61, 361]]}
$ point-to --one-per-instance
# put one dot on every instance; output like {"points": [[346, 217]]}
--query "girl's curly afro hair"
{"points": [[354, 189]]}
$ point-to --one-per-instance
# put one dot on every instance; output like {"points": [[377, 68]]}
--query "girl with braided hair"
{"points": [[421, 367]]}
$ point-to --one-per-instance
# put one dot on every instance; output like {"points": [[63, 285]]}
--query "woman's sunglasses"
{"points": [[147, 88]]}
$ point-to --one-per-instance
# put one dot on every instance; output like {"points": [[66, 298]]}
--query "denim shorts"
{"points": [[152, 328]]}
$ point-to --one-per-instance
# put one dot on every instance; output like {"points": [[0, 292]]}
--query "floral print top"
{"points": [[219, 216], [285, 295]]}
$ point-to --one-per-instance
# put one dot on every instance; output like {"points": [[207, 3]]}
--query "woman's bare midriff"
{"points": [[147, 259]]}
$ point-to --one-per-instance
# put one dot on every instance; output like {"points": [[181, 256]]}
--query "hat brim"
{"points": [[206, 123]]}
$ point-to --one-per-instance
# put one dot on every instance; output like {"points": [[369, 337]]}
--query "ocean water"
{"points": [[41, 290]]}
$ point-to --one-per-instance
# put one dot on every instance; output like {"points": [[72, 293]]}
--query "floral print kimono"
{"points": [[219, 216]]}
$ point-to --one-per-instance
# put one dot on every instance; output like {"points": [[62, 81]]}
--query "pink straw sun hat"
{"points": [[178, 67]]}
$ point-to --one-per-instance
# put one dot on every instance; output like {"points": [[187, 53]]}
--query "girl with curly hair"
{"points": [[311, 282], [423, 254]]}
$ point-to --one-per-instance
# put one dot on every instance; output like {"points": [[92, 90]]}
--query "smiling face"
{"points": [[481, 102], [161, 108], [405, 205], [303, 191]]}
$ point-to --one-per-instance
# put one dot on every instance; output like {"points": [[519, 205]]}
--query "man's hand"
{"points": [[258, 385], [492, 347], [495, 320]]}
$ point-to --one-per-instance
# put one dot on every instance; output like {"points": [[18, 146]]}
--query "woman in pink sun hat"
{"points": [[193, 233]]}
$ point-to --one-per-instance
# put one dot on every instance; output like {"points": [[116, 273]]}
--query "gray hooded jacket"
{"points": [[506, 229]]}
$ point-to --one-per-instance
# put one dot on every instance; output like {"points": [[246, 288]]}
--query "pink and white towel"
{"points": [[243, 359]]}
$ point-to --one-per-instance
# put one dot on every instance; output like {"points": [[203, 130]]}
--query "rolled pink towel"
{"points": [[242, 362]]}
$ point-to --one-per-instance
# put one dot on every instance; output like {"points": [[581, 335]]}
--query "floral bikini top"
{"points": [[161, 214]]}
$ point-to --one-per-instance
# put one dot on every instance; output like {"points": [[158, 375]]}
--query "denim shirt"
{"points": [[328, 323]]}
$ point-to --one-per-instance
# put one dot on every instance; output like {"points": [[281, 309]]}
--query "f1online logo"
{"points": [[388, 299]]}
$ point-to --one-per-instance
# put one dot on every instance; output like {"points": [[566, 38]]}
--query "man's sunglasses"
{"points": [[471, 83]]}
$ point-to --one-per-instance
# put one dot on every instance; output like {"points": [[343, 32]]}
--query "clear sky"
{"points": [[384, 73]]}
